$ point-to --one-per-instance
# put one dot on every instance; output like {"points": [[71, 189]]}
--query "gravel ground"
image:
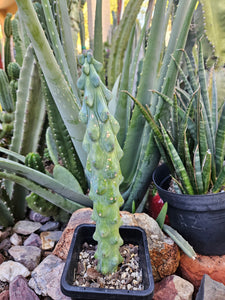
{"points": [[128, 276]]}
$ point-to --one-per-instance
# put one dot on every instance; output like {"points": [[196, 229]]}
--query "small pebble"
{"points": [[33, 240], [49, 226], [127, 277], [4, 234], [36, 217], [16, 239], [10, 269], [49, 238], [26, 227], [5, 244]]}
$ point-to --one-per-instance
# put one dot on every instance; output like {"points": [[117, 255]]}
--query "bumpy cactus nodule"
{"points": [[102, 168]]}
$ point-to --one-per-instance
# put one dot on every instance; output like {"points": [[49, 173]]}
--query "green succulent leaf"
{"points": [[162, 215]]}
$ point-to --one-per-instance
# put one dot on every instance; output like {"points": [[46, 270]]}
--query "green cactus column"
{"points": [[102, 168]]}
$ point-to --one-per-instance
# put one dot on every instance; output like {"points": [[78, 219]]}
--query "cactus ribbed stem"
{"points": [[8, 33], [102, 166]]}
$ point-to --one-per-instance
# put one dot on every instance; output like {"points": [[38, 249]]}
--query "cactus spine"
{"points": [[102, 166]]}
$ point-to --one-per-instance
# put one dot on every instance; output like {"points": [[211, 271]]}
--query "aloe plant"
{"points": [[55, 55], [136, 165], [8, 34], [59, 69], [195, 150]]}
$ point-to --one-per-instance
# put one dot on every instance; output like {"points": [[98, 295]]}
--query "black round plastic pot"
{"points": [[200, 219], [130, 234]]}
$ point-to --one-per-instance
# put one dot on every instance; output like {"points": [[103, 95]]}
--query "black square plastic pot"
{"points": [[130, 234], [200, 219]]}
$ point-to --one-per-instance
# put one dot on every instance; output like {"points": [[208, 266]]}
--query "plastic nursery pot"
{"points": [[130, 234], [200, 219]]}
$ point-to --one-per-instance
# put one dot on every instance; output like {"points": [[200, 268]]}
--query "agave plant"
{"points": [[194, 149], [54, 53]]}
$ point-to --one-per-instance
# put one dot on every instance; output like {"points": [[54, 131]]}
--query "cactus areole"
{"points": [[102, 168]]}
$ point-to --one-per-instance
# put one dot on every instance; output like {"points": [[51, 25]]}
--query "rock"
{"points": [[165, 254], [49, 226], [4, 295], [16, 239], [80, 216], [49, 238], [33, 240], [36, 217], [210, 289], [26, 227], [10, 269], [92, 273], [173, 288], [29, 256], [5, 244], [151, 228], [19, 290], [45, 279], [128, 219], [53, 286], [1, 258], [194, 270], [3, 286], [4, 234]]}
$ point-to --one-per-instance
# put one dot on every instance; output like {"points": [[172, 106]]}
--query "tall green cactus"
{"points": [[19, 45], [13, 73], [102, 166], [6, 98], [8, 33]]}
